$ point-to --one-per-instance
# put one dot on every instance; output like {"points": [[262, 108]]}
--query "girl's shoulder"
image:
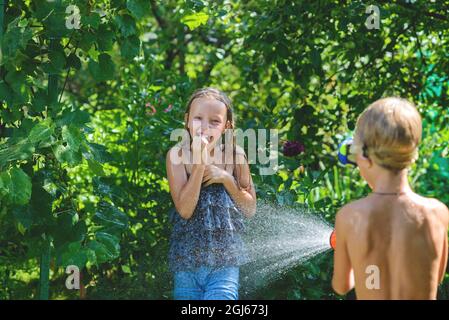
{"points": [[178, 150], [180, 154]]}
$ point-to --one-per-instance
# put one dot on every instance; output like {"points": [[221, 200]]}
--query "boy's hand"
{"points": [[213, 174]]}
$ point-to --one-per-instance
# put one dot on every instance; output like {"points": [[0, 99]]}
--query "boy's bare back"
{"points": [[402, 237]]}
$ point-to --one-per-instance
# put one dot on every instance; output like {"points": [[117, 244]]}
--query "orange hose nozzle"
{"points": [[333, 240]]}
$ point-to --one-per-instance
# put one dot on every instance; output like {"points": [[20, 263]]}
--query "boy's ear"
{"points": [[366, 162]]}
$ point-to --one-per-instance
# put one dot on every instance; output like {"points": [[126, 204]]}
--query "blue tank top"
{"points": [[211, 237]]}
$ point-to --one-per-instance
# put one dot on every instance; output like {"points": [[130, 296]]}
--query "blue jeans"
{"points": [[207, 283]]}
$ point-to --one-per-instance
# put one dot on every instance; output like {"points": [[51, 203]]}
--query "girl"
{"points": [[211, 197]]}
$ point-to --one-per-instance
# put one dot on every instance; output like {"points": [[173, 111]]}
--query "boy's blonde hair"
{"points": [[389, 132]]}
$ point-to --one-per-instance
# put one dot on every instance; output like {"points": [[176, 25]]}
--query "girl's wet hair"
{"points": [[219, 95], [214, 94]]}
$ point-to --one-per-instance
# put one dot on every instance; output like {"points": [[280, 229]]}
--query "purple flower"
{"points": [[293, 148]]}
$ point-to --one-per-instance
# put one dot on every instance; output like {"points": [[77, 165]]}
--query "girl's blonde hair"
{"points": [[389, 132], [219, 95]]}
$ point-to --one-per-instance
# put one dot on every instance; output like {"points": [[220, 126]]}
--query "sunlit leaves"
{"points": [[15, 186], [41, 132], [76, 118], [69, 150], [22, 148], [194, 20]]}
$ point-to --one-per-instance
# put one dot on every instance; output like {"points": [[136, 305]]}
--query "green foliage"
{"points": [[82, 157]]}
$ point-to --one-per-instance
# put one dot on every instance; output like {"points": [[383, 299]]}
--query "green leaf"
{"points": [[105, 38], [138, 8], [40, 100], [15, 186], [92, 20], [23, 215], [195, 20], [103, 69], [126, 25], [57, 60], [105, 246], [16, 80], [73, 254], [69, 151], [67, 154], [77, 118], [6, 92], [96, 168], [98, 153], [21, 150], [130, 47], [15, 38], [110, 218], [106, 189], [41, 132], [73, 136], [126, 269], [87, 39], [68, 229]]}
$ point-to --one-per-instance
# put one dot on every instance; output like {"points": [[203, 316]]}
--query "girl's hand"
{"points": [[213, 174], [200, 150]]}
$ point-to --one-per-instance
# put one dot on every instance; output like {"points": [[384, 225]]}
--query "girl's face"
{"points": [[207, 118]]}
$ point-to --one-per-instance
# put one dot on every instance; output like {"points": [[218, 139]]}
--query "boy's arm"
{"points": [[343, 278], [443, 264]]}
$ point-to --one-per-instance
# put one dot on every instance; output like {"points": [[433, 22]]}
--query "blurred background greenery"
{"points": [[86, 114]]}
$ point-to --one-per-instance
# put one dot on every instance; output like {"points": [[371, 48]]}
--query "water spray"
{"points": [[279, 238]]}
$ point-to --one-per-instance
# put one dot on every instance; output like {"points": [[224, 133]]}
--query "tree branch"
{"points": [[162, 23]]}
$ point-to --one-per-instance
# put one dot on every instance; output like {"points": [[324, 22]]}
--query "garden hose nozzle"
{"points": [[333, 240]]}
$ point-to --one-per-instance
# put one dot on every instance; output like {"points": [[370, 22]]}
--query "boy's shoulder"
{"points": [[352, 211], [355, 207], [364, 206], [437, 207], [431, 207]]}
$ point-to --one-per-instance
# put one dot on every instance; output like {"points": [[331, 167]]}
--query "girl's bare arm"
{"points": [[184, 190], [244, 197]]}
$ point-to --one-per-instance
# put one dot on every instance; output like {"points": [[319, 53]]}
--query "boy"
{"points": [[393, 243]]}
